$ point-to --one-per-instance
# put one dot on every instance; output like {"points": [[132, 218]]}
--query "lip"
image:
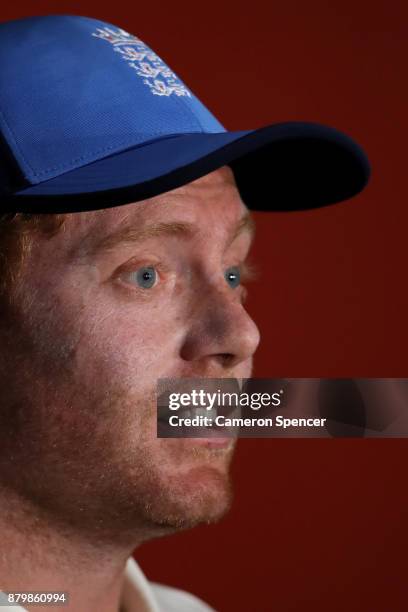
{"points": [[211, 434], [210, 442]]}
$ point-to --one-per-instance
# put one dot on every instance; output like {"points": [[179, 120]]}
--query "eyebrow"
{"points": [[131, 235]]}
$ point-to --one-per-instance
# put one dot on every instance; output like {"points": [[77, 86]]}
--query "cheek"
{"points": [[128, 343], [85, 332]]}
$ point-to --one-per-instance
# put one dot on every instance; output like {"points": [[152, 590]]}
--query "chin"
{"points": [[202, 494], [169, 485], [192, 511]]}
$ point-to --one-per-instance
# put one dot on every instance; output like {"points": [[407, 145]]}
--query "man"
{"points": [[124, 233]]}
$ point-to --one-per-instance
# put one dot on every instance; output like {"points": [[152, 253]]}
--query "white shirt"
{"points": [[140, 595]]}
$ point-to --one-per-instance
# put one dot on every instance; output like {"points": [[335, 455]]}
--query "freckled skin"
{"points": [[79, 365]]}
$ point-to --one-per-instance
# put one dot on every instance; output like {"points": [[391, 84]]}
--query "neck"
{"points": [[39, 554]]}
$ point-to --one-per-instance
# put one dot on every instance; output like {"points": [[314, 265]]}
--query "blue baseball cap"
{"points": [[91, 118]]}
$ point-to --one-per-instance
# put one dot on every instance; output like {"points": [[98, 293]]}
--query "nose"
{"points": [[221, 332]]}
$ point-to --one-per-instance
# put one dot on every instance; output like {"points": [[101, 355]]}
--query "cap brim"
{"points": [[281, 167]]}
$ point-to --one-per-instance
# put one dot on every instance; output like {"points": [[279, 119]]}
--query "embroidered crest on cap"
{"points": [[161, 80]]}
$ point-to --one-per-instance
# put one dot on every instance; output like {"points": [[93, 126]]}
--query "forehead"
{"points": [[211, 202]]}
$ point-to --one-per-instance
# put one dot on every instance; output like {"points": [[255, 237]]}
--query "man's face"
{"points": [[97, 321]]}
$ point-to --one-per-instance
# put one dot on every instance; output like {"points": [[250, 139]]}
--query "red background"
{"points": [[317, 524]]}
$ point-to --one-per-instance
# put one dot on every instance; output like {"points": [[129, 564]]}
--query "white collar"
{"points": [[137, 590]]}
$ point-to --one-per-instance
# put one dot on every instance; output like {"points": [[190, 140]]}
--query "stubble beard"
{"points": [[177, 484], [195, 486]]}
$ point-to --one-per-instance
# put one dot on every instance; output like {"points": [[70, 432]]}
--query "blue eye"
{"points": [[146, 277], [233, 276]]}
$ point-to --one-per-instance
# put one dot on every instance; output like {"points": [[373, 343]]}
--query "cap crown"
{"points": [[74, 90]]}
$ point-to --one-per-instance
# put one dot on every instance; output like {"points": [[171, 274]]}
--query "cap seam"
{"points": [[103, 150], [124, 142], [186, 109], [13, 138]]}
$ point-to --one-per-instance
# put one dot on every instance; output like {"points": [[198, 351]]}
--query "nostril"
{"points": [[226, 358]]}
